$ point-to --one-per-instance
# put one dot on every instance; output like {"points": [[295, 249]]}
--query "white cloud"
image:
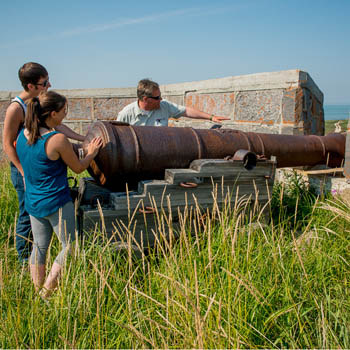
{"points": [[105, 26], [119, 23], [125, 22]]}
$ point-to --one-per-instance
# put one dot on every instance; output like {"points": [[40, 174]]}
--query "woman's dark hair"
{"points": [[39, 109], [30, 73]]}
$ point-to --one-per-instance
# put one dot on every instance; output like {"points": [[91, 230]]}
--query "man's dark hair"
{"points": [[30, 73], [145, 87]]}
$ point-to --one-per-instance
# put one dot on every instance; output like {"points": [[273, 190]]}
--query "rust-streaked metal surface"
{"points": [[131, 153]]}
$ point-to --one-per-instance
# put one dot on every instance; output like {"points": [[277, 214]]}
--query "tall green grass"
{"points": [[229, 281], [8, 202]]}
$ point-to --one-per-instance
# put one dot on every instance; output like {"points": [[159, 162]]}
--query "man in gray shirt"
{"points": [[151, 110]]}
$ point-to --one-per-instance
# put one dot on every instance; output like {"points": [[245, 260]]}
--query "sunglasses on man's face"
{"points": [[155, 97], [44, 84]]}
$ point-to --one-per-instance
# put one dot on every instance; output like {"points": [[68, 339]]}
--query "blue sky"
{"points": [[112, 43]]}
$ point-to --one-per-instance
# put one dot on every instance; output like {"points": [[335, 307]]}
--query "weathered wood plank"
{"points": [[204, 193], [217, 169], [320, 172], [142, 228], [90, 192], [347, 153], [217, 182]]}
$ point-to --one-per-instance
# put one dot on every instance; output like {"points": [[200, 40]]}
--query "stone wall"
{"points": [[285, 102]]}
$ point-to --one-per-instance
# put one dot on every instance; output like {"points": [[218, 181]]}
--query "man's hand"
{"points": [[218, 119], [196, 114]]}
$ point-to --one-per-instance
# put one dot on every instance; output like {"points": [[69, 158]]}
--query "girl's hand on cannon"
{"points": [[94, 146]]}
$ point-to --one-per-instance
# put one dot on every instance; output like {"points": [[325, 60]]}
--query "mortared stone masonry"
{"points": [[285, 102]]}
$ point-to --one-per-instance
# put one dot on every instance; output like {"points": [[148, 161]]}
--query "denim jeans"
{"points": [[23, 227]]}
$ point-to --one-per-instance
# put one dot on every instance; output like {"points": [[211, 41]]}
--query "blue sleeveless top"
{"points": [[46, 181]]}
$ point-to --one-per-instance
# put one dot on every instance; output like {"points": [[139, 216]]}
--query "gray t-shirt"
{"points": [[134, 115]]}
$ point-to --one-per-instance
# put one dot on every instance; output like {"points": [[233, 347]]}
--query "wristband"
{"points": [[212, 117]]}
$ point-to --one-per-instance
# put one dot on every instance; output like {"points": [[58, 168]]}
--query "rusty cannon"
{"points": [[170, 169], [131, 153]]}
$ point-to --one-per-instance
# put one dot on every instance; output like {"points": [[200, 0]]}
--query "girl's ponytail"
{"points": [[38, 110], [32, 120]]}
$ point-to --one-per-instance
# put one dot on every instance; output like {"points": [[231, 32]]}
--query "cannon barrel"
{"points": [[131, 153]]}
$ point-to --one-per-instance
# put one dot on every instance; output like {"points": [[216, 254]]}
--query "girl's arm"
{"points": [[58, 146]]}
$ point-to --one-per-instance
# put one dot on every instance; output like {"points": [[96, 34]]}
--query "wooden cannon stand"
{"points": [[205, 182]]}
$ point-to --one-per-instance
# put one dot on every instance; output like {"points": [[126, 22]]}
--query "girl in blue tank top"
{"points": [[44, 155]]}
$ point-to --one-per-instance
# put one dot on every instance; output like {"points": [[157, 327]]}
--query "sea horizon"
{"points": [[336, 111]]}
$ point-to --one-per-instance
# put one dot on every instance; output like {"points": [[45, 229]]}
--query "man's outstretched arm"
{"points": [[196, 114]]}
